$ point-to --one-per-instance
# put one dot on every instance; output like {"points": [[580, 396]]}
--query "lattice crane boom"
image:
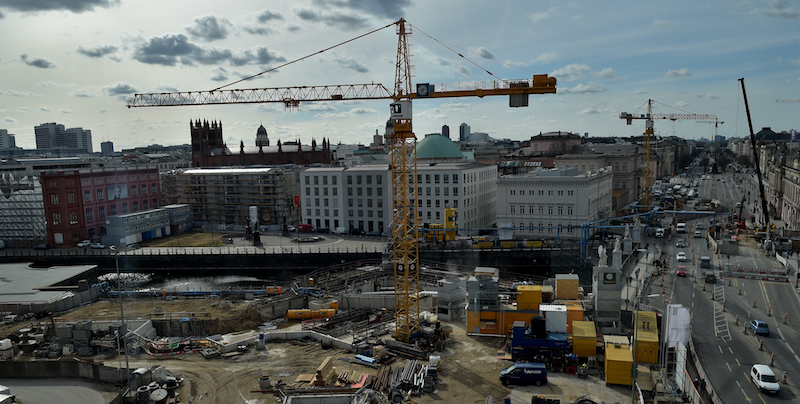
{"points": [[403, 145], [649, 117]]}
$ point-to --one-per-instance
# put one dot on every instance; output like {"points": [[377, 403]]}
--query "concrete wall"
{"points": [[68, 369], [76, 300], [383, 301]]}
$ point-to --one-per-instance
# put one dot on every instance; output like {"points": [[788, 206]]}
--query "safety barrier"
{"points": [[761, 277], [772, 271]]}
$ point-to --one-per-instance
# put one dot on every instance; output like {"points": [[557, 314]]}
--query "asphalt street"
{"points": [[720, 310]]}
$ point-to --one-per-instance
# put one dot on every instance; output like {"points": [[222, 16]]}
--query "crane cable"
{"points": [[305, 57], [450, 48]]}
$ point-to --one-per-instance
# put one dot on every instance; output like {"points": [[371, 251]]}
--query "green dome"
{"points": [[436, 146]]}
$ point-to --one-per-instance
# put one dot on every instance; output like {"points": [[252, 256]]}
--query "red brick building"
{"points": [[76, 203]]}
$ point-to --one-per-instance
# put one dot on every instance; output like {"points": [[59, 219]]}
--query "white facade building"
{"points": [[360, 197], [553, 203]]}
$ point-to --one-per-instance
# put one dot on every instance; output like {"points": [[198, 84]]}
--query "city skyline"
{"points": [[78, 63]]}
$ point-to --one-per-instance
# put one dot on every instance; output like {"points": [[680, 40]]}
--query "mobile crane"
{"points": [[403, 144]]}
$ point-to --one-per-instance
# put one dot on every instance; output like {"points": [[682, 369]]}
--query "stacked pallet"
{"points": [[326, 373]]}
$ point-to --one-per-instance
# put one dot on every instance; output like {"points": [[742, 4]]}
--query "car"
{"points": [[97, 246], [84, 243], [290, 228], [375, 233], [759, 327], [660, 232], [356, 232], [698, 234], [699, 226], [41, 246], [323, 230], [723, 180], [681, 271], [680, 243], [681, 257], [764, 378]]}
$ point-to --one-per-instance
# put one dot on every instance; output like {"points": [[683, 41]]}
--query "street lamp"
{"points": [[121, 314], [634, 368]]}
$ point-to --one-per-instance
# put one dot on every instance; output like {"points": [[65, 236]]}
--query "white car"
{"points": [[763, 377], [681, 257], [97, 246], [84, 243]]}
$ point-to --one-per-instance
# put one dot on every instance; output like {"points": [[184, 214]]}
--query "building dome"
{"points": [[262, 139], [436, 146]]}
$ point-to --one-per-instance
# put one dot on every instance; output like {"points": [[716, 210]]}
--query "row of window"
{"points": [[540, 228], [101, 211], [541, 192], [334, 191], [445, 178], [531, 209]]}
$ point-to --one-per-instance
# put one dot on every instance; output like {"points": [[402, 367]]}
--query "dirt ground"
{"points": [[469, 369]]}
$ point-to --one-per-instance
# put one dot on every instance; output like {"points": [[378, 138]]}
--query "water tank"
{"points": [[159, 396], [264, 383]]}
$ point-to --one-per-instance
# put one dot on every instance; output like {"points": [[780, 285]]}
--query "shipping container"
{"points": [[618, 363], [529, 297], [646, 336], [584, 339], [556, 316], [567, 286]]}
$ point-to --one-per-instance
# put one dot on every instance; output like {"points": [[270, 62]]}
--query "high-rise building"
{"points": [[446, 131], [53, 135], [463, 132], [7, 141], [107, 147]]}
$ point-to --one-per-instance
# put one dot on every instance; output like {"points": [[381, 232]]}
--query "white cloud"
{"points": [[684, 72], [544, 15], [589, 111], [608, 73], [662, 23], [573, 72], [348, 114], [681, 104], [546, 57], [592, 87]]}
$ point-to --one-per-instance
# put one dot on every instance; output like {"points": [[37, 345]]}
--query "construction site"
{"points": [[327, 338]]}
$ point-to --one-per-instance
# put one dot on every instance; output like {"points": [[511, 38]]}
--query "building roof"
{"points": [[437, 146], [205, 171], [21, 283]]}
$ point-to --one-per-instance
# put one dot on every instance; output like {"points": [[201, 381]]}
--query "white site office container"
{"points": [[555, 317]]}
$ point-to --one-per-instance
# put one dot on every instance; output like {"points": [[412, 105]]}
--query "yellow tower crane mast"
{"points": [[403, 143], [649, 140]]}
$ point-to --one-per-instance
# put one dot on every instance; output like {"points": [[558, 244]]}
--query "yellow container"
{"points": [[646, 337], [574, 313], [301, 314], [529, 297], [619, 364], [584, 339], [567, 286], [534, 243]]}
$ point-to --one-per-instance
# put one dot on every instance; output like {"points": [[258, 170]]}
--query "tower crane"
{"points": [[403, 144], [649, 117]]}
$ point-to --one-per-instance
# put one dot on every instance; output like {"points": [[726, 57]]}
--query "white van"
{"points": [[681, 228], [340, 230]]}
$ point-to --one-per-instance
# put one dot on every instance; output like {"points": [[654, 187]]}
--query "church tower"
{"points": [[262, 139]]}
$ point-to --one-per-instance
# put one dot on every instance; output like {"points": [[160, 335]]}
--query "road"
{"points": [[726, 352]]}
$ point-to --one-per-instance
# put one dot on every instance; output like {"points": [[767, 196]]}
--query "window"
{"points": [[427, 178], [89, 216], [56, 219], [316, 191], [360, 213], [71, 197], [316, 212], [550, 210], [134, 191], [569, 192], [349, 180], [144, 205], [327, 211], [436, 178], [541, 209], [316, 201], [308, 191], [153, 188], [135, 206], [125, 207], [455, 178], [325, 191], [316, 180], [369, 191], [455, 191], [333, 180], [436, 191], [513, 192], [87, 196], [358, 180], [144, 189], [101, 213], [360, 191], [560, 193], [360, 203], [549, 192], [379, 191], [54, 199], [112, 210], [427, 191], [308, 180], [99, 194], [513, 210], [336, 211], [369, 180], [155, 203], [560, 210], [369, 203], [73, 217], [541, 192], [349, 191], [569, 210]]}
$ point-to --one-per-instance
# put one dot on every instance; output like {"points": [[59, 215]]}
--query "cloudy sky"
{"points": [[77, 62]]}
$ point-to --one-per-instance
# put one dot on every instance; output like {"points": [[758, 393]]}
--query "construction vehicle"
{"points": [[405, 248], [647, 174], [764, 205]]}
